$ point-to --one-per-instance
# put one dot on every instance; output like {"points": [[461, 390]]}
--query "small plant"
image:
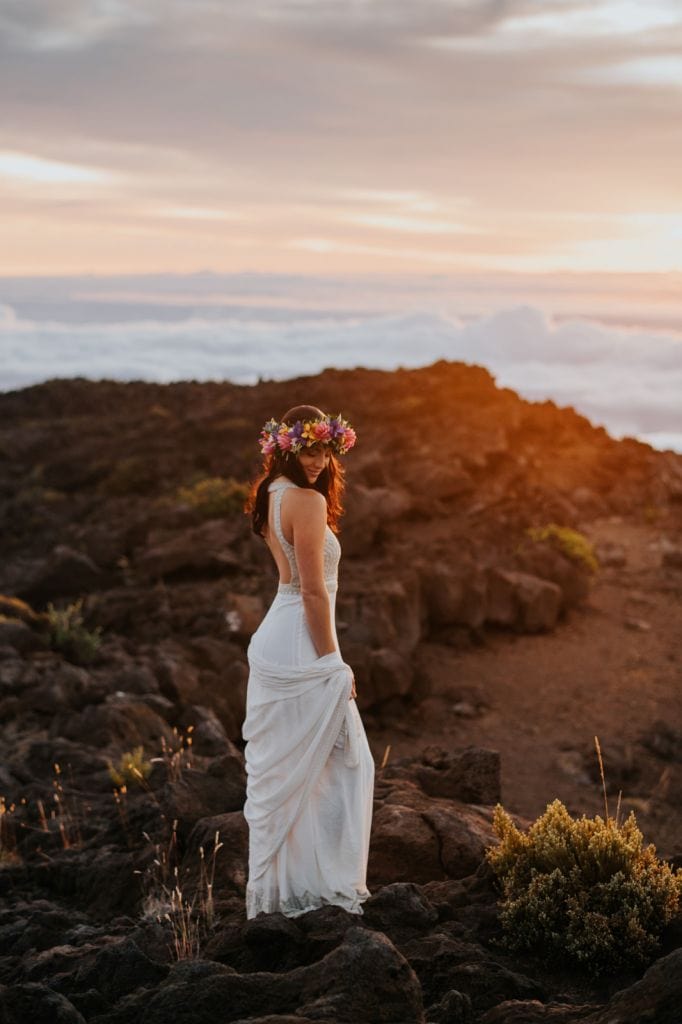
{"points": [[176, 755], [65, 814], [69, 635], [8, 852], [569, 542], [131, 767], [215, 496], [583, 890], [190, 917]]}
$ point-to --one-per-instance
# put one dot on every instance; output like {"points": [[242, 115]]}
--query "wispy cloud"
{"points": [[28, 169], [499, 130]]}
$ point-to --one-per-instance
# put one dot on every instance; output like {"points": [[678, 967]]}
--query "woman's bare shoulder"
{"points": [[307, 500], [301, 495]]}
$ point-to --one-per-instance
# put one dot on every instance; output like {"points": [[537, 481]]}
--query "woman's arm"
{"points": [[308, 518]]}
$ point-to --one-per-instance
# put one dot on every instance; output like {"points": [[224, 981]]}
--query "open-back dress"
{"points": [[310, 772]]}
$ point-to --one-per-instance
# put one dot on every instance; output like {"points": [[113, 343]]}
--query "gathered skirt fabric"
{"points": [[310, 772]]}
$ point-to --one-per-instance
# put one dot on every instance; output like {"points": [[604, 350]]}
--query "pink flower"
{"points": [[322, 431], [349, 438], [284, 441]]}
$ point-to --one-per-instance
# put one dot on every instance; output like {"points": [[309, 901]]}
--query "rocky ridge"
{"points": [[448, 473]]}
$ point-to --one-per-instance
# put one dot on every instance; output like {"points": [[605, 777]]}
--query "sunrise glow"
{"points": [[328, 138]]}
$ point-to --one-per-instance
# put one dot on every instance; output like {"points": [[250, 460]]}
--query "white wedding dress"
{"points": [[310, 772]]}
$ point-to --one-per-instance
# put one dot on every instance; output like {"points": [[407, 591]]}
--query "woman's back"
{"points": [[283, 550]]}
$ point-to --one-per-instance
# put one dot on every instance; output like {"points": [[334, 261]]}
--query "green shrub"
{"points": [[215, 496], [570, 542], [69, 635], [132, 767], [582, 890]]}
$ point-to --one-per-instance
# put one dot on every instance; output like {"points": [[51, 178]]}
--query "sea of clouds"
{"points": [[628, 379]]}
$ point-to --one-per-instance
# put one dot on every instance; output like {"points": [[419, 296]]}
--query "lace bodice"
{"points": [[332, 548]]}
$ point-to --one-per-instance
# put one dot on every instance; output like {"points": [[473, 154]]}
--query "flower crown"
{"points": [[331, 430]]}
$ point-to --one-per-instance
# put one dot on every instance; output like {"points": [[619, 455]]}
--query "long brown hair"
{"points": [[330, 482]]}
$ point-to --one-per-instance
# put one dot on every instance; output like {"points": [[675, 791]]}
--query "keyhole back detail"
{"points": [[277, 489], [332, 548]]}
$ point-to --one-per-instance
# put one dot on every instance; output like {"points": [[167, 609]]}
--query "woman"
{"points": [[310, 773]]}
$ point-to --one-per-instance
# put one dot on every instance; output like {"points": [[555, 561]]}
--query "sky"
{"points": [[340, 136], [245, 188]]}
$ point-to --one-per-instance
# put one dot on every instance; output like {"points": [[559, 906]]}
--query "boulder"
{"points": [[390, 675], [64, 573], [100, 877], [543, 560], [403, 847], [131, 677], [523, 602], [115, 970], [34, 759], [121, 722], [276, 942], [655, 997], [139, 611], [400, 911], [52, 685], [207, 671], [36, 1003], [18, 634], [487, 983], [532, 1011], [444, 481], [420, 838], [454, 1008], [471, 776], [177, 675], [209, 738], [39, 926], [432, 958], [454, 594], [204, 550], [386, 614], [364, 980], [203, 794], [367, 510], [463, 834]]}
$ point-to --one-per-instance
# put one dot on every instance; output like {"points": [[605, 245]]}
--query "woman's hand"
{"points": [[353, 692]]}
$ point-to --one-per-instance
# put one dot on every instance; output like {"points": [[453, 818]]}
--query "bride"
{"points": [[310, 772]]}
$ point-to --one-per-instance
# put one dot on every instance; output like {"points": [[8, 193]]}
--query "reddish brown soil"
{"points": [[611, 669]]}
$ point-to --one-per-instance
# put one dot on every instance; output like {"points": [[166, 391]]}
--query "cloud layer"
{"points": [[628, 379]]}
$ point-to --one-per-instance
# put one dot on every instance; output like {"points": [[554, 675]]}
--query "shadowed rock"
{"points": [[472, 775], [365, 979]]}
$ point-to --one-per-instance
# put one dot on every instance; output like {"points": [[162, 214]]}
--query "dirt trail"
{"points": [[612, 669]]}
